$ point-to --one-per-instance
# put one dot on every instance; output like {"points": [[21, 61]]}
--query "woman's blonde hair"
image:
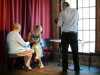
{"points": [[16, 26], [38, 28]]}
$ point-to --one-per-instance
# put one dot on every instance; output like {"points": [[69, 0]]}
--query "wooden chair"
{"points": [[15, 62]]}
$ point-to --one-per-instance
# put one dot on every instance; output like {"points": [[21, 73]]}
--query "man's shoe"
{"points": [[77, 70], [63, 73]]}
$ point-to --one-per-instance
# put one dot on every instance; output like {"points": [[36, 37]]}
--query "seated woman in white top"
{"points": [[18, 46]]}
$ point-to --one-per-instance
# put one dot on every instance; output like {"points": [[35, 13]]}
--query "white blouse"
{"points": [[16, 43]]}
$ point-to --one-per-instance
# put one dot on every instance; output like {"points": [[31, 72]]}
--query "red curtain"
{"points": [[26, 12], [41, 15]]}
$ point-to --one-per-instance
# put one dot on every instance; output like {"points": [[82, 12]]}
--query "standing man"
{"points": [[68, 20]]}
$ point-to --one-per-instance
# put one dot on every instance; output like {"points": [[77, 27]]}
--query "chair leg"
{"points": [[11, 63]]}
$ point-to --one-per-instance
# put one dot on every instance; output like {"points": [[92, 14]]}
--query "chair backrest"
{"points": [[44, 42]]}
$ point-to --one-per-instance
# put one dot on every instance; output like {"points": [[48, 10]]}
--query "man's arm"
{"points": [[60, 20]]}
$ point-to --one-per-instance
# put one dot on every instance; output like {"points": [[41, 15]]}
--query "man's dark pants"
{"points": [[69, 38]]}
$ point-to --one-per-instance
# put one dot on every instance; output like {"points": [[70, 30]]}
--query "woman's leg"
{"points": [[40, 63], [27, 57], [28, 61], [39, 54]]}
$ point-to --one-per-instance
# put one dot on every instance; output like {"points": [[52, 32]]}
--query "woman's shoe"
{"points": [[42, 66], [28, 68]]}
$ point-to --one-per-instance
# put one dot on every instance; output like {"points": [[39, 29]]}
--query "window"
{"points": [[86, 24]]}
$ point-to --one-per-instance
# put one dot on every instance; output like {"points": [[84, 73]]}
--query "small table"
{"points": [[57, 41]]}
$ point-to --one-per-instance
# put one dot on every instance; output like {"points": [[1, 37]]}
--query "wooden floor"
{"points": [[53, 69]]}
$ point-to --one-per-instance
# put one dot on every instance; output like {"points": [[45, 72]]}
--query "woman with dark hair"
{"points": [[68, 20]]}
